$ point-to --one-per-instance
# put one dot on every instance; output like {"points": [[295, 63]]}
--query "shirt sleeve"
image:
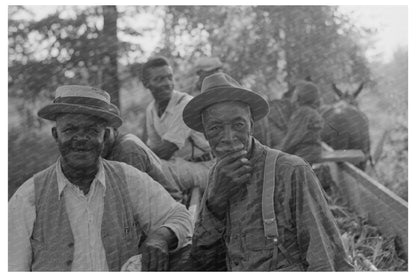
{"points": [[153, 138], [178, 132], [22, 215], [156, 208], [318, 235]]}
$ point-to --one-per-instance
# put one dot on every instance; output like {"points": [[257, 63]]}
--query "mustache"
{"points": [[78, 146], [229, 148]]}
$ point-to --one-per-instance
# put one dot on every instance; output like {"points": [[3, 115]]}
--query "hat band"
{"points": [[84, 101]]}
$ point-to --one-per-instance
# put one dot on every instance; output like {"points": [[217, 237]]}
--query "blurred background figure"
{"points": [[303, 137], [204, 67]]}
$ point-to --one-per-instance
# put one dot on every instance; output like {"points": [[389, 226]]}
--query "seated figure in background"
{"points": [[185, 153]]}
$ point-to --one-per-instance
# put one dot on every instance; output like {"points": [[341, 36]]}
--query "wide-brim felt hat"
{"points": [[220, 87], [73, 99]]}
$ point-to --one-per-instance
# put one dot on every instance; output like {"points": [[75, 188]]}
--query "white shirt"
{"points": [[150, 201], [171, 127]]}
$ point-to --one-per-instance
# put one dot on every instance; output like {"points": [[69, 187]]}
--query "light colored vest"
{"points": [[52, 239]]}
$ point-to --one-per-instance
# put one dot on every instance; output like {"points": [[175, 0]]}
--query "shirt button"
{"points": [[68, 263], [71, 244]]}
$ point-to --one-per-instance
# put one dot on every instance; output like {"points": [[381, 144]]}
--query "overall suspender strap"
{"points": [[269, 216], [268, 212]]}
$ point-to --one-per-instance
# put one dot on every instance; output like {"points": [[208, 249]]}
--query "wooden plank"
{"points": [[370, 199], [350, 155], [374, 201]]}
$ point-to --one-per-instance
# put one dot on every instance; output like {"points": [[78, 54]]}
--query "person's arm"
{"points": [[166, 223], [317, 232], [22, 215], [165, 150], [131, 151]]}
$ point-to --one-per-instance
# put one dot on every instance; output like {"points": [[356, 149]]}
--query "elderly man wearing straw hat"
{"points": [[85, 213], [263, 209]]}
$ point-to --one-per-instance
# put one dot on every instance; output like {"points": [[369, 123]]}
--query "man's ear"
{"points": [[54, 133], [251, 126]]}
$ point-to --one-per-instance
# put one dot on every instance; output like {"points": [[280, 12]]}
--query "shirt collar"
{"points": [[171, 105], [63, 181], [257, 150]]}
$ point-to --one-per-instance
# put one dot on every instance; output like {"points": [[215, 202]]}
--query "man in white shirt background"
{"points": [[184, 152]]}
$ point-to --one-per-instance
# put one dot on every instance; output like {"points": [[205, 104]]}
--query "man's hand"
{"points": [[155, 250], [230, 173]]}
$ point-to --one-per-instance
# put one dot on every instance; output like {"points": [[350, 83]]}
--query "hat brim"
{"points": [[192, 111], [51, 111]]}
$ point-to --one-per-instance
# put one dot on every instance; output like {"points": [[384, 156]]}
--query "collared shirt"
{"points": [[171, 127], [150, 201], [306, 227]]}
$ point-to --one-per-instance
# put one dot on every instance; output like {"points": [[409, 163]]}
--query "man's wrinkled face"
{"points": [[80, 139], [227, 127], [160, 82]]}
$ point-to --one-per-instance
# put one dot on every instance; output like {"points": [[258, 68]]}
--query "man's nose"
{"points": [[167, 82], [229, 134], [81, 135]]}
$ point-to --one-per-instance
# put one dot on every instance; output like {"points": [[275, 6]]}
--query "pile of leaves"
{"points": [[369, 249]]}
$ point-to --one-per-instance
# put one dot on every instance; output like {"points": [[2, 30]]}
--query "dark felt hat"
{"points": [[81, 100], [220, 87]]}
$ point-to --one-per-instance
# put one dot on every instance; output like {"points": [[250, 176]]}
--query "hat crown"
{"points": [[75, 99], [219, 80], [207, 63], [82, 91]]}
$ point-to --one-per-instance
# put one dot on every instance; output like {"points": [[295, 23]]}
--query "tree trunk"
{"points": [[109, 75]]}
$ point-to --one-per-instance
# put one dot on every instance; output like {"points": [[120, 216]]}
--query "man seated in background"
{"points": [[303, 137], [131, 150], [184, 152], [204, 67], [85, 213]]}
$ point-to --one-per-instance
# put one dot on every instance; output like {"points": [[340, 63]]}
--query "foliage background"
{"points": [[266, 48]]}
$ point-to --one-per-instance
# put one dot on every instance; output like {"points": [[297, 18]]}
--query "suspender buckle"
{"points": [[269, 221]]}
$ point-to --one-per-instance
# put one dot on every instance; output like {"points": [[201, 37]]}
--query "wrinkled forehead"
{"points": [[79, 119], [227, 110]]}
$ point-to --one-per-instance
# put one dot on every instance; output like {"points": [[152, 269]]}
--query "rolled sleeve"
{"points": [[178, 133], [155, 208], [153, 138]]}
